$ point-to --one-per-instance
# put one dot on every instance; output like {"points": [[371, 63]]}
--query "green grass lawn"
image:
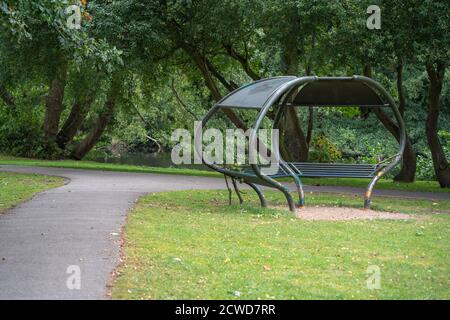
{"points": [[91, 165], [205, 249], [425, 186], [17, 187]]}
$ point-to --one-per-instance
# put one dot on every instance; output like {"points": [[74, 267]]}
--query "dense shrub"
{"points": [[323, 150], [20, 134]]}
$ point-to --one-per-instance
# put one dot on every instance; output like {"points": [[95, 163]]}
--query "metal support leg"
{"points": [[260, 194], [229, 189], [368, 195], [301, 196], [298, 183], [236, 189], [289, 199]]}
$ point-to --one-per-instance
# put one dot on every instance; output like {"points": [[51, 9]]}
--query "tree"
{"points": [[42, 45], [104, 118], [432, 40], [375, 49]]}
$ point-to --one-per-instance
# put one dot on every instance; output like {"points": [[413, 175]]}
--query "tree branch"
{"points": [[231, 86], [242, 60], [180, 101]]}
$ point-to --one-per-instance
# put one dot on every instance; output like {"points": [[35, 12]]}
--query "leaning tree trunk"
{"points": [[309, 131], [310, 126], [294, 137], [103, 120], [440, 163], [54, 103], [73, 123], [365, 111], [409, 159], [293, 145], [202, 65], [409, 163]]}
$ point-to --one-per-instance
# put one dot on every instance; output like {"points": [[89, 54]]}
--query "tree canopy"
{"points": [[129, 72]]}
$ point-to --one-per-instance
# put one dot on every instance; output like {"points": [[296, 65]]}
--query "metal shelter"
{"points": [[280, 93]]}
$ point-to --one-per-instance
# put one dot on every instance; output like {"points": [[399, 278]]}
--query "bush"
{"points": [[20, 134], [323, 150], [425, 168]]}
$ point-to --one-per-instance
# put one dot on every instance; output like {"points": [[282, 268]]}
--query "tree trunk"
{"points": [[295, 139], [364, 111], [73, 123], [310, 126], [409, 162], [308, 70], [54, 103], [202, 65], [230, 85], [243, 61], [440, 163], [103, 120]]}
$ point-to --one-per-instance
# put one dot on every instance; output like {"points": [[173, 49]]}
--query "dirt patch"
{"points": [[338, 213]]}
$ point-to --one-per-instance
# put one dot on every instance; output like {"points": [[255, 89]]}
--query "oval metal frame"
{"points": [[285, 90]]}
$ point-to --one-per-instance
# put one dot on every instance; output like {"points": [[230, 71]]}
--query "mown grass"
{"points": [[202, 248], [423, 186], [91, 165], [386, 184], [17, 187]]}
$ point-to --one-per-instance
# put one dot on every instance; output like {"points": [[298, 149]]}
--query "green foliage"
{"points": [[20, 135], [323, 150], [161, 46], [374, 153], [425, 168], [28, 18]]}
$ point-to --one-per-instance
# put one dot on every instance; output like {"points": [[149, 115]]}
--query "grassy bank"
{"points": [[91, 165], [205, 249], [424, 186], [17, 187]]}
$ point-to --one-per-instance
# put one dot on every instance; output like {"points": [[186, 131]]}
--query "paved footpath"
{"points": [[76, 227]]}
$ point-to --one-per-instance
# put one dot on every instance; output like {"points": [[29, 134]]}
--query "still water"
{"points": [[161, 159]]}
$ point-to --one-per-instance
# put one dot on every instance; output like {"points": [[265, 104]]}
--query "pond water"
{"points": [[161, 159]]}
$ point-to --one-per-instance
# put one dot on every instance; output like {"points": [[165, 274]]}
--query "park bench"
{"points": [[327, 170]]}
